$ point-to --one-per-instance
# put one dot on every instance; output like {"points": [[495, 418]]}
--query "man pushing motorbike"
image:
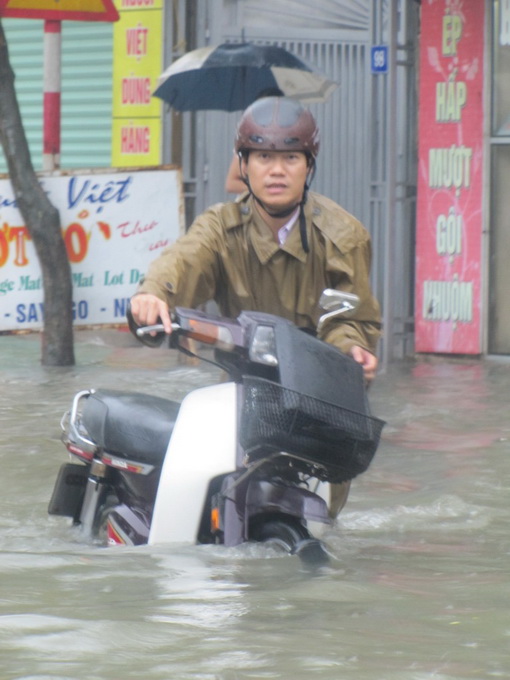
{"points": [[274, 249]]}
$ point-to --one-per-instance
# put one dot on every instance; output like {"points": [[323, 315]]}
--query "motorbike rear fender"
{"points": [[202, 446], [265, 497]]}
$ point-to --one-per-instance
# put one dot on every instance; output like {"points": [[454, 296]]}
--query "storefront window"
{"points": [[501, 69]]}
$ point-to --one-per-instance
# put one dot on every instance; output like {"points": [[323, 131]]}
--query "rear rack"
{"points": [[71, 427]]}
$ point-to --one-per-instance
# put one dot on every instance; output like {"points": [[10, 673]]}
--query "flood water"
{"points": [[418, 588]]}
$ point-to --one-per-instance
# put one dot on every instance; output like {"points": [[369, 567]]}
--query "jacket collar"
{"points": [[260, 235], [321, 214]]}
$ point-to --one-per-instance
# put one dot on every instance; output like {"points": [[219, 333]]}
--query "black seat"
{"points": [[130, 425]]}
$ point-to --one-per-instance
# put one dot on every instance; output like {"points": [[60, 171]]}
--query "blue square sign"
{"points": [[379, 59]]}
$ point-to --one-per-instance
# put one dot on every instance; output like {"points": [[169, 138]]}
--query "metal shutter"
{"points": [[86, 89], [25, 43]]}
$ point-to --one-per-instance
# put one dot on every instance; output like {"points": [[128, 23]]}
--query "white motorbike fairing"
{"points": [[202, 446]]}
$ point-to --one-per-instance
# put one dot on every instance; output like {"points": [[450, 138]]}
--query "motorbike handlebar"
{"points": [[155, 328], [143, 333]]}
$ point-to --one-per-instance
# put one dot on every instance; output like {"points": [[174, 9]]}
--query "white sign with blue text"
{"points": [[113, 224]]}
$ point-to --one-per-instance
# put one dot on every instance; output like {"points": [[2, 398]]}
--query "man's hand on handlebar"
{"points": [[148, 309]]}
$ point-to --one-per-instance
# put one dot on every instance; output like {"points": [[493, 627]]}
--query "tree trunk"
{"points": [[42, 220]]}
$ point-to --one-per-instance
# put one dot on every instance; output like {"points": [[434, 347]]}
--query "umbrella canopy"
{"points": [[229, 77]]}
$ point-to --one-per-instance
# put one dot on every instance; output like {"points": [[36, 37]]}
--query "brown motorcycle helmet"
{"points": [[277, 124]]}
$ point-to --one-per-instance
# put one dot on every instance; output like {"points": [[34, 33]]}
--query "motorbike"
{"points": [[250, 459]]}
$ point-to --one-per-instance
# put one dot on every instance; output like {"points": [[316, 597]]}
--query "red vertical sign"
{"points": [[449, 207]]}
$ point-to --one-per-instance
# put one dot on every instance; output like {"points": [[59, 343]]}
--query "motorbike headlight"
{"points": [[263, 346]]}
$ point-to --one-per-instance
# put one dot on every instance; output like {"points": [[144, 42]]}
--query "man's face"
{"points": [[277, 178]]}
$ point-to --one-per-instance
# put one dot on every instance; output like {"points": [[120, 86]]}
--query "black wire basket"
{"points": [[336, 442]]}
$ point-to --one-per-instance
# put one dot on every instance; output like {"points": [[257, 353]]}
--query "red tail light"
{"points": [[76, 451]]}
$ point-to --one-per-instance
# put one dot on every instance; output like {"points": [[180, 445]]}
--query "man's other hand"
{"points": [[367, 360]]}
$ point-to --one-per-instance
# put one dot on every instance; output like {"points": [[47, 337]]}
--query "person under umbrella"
{"points": [[231, 76], [275, 248]]}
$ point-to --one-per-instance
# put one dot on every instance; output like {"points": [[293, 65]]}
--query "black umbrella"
{"points": [[231, 76]]}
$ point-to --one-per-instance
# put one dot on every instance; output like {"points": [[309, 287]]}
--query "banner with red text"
{"points": [[137, 64], [114, 224], [449, 205]]}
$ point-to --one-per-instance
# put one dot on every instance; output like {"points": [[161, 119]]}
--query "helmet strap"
{"points": [[302, 222]]}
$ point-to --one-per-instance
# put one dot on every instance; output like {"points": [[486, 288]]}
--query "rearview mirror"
{"points": [[335, 303]]}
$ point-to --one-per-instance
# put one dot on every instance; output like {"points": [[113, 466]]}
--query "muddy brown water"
{"points": [[418, 588]]}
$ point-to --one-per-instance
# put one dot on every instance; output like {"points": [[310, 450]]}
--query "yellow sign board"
{"points": [[136, 142], [137, 64]]}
